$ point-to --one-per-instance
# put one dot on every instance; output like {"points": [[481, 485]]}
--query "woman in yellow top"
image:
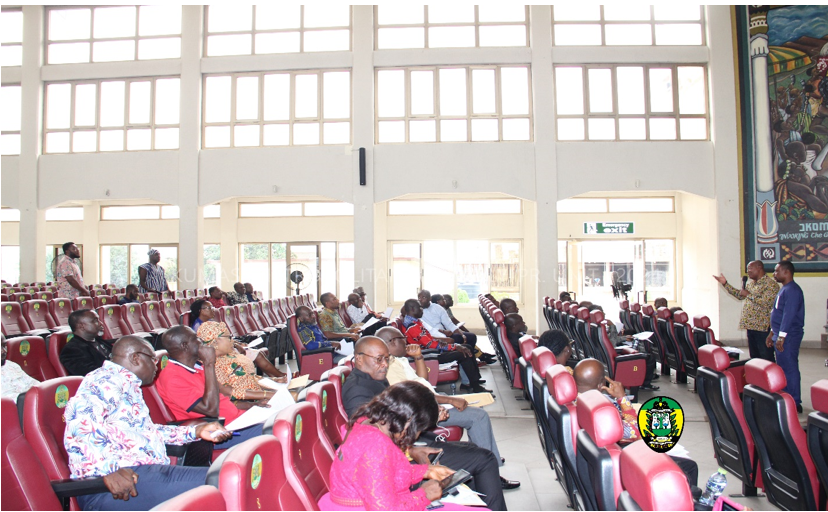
{"points": [[236, 373]]}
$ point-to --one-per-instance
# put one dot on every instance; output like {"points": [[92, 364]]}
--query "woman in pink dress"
{"points": [[371, 471]]}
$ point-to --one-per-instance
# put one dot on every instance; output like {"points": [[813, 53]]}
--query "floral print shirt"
{"points": [[330, 321], [238, 372], [67, 267], [108, 426], [758, 305]]}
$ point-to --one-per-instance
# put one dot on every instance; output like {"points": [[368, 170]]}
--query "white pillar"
{"points": [[230, 247], [91, 243], [363, 119], [763, 146]]}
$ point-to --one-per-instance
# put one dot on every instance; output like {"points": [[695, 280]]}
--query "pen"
{"points": [[475, 402]]}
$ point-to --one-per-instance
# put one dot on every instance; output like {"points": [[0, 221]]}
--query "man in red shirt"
{"points": [[216, 297], [191, 390]]}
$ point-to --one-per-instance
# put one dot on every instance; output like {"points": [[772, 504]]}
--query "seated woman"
{"points": [[200, 311], [558, 342], [209, 332], [371, 471]]}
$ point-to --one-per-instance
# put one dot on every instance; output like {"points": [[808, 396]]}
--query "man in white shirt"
{"points": [[359, 314], [438, 323], [14, 380]]}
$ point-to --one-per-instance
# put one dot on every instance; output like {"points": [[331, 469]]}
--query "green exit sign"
{"points": [[609, 228]]}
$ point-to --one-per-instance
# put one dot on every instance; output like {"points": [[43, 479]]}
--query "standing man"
{"points": [[69, 277], [151, 275], [758, 295], [787, 328]]}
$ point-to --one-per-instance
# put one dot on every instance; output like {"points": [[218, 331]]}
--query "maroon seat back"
{"points": [[313, 365], [13, 321], [337, 377], [652, 481], [36, 312], [158, 410], [258, 315], [170, 311], [246, 321], [104, 300], [307, 461], [30, 353], [133, 318], [203, 497], [57, 341], [526, 347], [83, 303], [269, 313], [21, 296], [25, 483], [228, 316], [61, 309], [542, 360], [321, 396], [114, 326], [153, 315], [597, 450], [44, 295]]}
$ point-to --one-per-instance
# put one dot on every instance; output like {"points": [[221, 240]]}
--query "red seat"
{"points": [[322, 396], [61, 309], [203, 497], [271, 314], [43, 424], [57, 341], [309, 362], [527, 345], [30, 353], [598, 452], [307, 460], [629, 368], [25, 483], [258, 315], [82, 303], [21, 296], [104, 300], [13, 322], [542, 360], [562, 415], [36, 312], [251, 476], [818, 430], [337, 377], [664, 333], [158, 410], [113, 323], [133, 317], [44, 295], [170, 311], [343, 313], [788, 473], [512, 357], [246, 321], [652, 481], [153, 316]]}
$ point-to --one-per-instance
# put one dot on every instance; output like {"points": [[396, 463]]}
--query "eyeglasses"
{"points": [[153, 357], [378, 359]]}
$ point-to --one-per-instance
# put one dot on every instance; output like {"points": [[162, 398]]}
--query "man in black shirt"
{"points": [[367, 380], [131, 295], [515, 330], [86, 350]]}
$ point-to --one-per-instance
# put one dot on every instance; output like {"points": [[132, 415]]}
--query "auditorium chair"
{"points": [[563, 425], [13, 322], [259, 317], [21, 296], [56, 343], [656, 347], [251, 476], [598, 453], [203, 497], [44, 295], [542, 359], [282, 305], [170, 311], [343, 313], [818, 434], [557, 309], [511, 357], [788, 473], [547, 313], [104, 300], [82, 303], [36, 313], [154, 317], [733, 443], [5, 297], [229, 315], [636, 317], [307, 461], [664, 332], [133, 318], [113, 324], [624, 364], [309, 362], [247, 322], [30, 353], [683, 336], [582, 333], [337, 377], [652, 481], [322, 396], [527, 345], [61, 309], [624, 316]]}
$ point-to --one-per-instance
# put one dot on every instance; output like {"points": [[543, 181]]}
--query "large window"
{"points": [[310, 209], [277, 109], [234, 29], [458, 207], [617, 205], [453, 104], [10, 263], [671, 23], [212, 265], [11, 37], [450, 25], [324, 267], [119, 263], [149, 212], [10, 118], [461, 268], [626, 102], [52, 253], [112, 115], [66, 213], [106, 34]]}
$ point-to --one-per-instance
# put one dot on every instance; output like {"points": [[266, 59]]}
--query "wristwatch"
{"points": [[419, 358]]}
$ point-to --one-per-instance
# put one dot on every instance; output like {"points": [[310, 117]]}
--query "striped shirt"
{"points": [[155, 278]]}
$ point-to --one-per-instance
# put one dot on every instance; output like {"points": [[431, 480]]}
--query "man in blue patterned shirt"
{"points": [[109, 434]]}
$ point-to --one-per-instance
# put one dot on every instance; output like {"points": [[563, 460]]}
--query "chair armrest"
{"points": [[630, 357], [69, 488], [739, 362], [192, 422], [317, 351], [176, 450]]}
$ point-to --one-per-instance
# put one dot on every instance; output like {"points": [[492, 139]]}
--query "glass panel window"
{"points": [[346, 268], [130, 212], [327, 267], [10, 118], [656, 102], [328, 209], [278, 270], [139, 104], [642, 204], [212, 211], [437, 207], [270, 210], [616, 24], [66, 213], [499, 206], [115, 265], [450, 25], [473, 104], [438, 270], [659, 268], [562, 267], [276, 28], [10, 263], [582, 205], [11, 37], [212, 265], [255, 266], [505, 270], [105, 34], [405, 271]]}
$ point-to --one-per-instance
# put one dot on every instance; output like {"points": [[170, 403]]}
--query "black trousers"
{"points": [[690, 469], [471, 339], [469, 365], [480, 463], [651, 366], [757, 346]]}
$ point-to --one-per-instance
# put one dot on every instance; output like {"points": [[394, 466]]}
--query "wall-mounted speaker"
{"points": [[362, 166]]}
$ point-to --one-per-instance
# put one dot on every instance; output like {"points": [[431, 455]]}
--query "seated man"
{"points": [[331, 323], [589, 374], [359, 314], [508, 305], [361, 292], [416, 333], [109, 434], [248, 292], [446, 302], [620, 341], [559, 344], [14, 380], [131, 295], [310, 334], [515, 330], [660, 302], [191, 390], [438, 323], [86, 350], [237, 296], [367, 380], [216, 297], [474, 419], [565, 297]]}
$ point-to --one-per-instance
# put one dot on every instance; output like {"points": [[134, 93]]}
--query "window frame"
{"points": [[453, 206], [702, 21], [607, 209], [303, 203], [254, 31], [292, 119], [92, 39], [647, 114], [159, 217], [427, 24], [14, 132], [66, 220], [152, 125], [14, 44], [129, 259], [468, 117]]}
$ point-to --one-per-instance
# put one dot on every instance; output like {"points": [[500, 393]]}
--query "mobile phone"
{"points": [[434, 458], [450, 482]]}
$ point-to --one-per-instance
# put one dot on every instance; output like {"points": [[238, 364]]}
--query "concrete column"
{"points": [[546, 172], [363, 130], [191, 220], [91, 243], [32, 239], [230, 246]]}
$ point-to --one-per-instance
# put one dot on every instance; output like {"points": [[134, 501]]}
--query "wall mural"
{"points": [[783, 92]]}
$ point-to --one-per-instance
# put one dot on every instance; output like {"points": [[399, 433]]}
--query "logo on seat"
{"points": [[297, 429], [661, 423], [256, 471], [324, 400], [61, 396], [25, 347]]}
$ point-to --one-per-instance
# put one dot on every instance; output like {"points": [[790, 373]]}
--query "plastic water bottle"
{"points": [[715, 487]]}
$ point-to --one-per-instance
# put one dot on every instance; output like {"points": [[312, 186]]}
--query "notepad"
{"points": [[477, 399], [255, 415]]}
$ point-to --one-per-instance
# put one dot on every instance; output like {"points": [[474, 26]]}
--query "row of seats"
{"points": [[436, 375], [494, 320]]}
